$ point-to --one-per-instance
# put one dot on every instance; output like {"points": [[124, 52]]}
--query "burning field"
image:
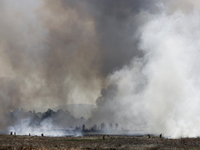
{"points": [[96, 142], [93, 67]]}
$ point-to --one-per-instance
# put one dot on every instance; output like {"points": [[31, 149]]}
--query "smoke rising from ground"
{"points": [[61, 53], [50, 123], [160, 92], [55, 53], [137, 60]]}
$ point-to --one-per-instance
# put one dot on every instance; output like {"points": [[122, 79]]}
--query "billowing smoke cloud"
{"points": [[61, 52], [55, 53], [138, 60], [172, 97], [159, 93]]}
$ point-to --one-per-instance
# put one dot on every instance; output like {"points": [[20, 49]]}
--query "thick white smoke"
{"points": [[24, 128], [46, 128], [160, 93]]}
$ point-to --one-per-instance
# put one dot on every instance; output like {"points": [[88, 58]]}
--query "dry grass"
{"points": [[8, 142]]}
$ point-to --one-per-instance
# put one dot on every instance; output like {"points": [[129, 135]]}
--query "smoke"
{"points": [[24, 128], [61, 53], [159, 93], [171, 95], [50, 123], [136, 60]]}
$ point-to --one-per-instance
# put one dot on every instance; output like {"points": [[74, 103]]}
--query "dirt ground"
{"points": [[12, 142]]}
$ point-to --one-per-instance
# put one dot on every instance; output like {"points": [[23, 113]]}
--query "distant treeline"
{"points": [[59, 118]]}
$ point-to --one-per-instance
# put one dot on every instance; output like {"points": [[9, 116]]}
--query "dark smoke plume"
{"points": [[61, 52]]}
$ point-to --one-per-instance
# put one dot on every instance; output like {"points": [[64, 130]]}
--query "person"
{"points": [[103, 137], [161, 135], [149, 136]]}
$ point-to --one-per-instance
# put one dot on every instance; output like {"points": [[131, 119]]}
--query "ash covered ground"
{"points": [[96, 142]]}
